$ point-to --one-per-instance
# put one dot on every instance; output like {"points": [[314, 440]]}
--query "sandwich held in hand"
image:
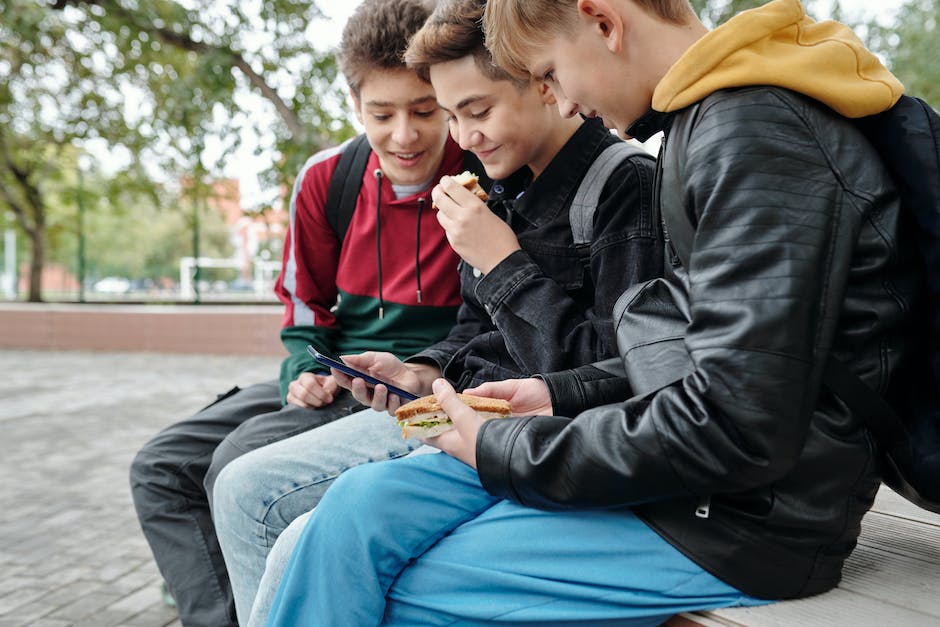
{"points": [[472, 182], [424, 417]]}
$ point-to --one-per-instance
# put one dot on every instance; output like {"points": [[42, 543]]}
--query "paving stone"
{"points": [[88, 606], [71, 551], [12, 601]]}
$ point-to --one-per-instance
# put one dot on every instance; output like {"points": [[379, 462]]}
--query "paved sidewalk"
{"points": [[71, 553]]}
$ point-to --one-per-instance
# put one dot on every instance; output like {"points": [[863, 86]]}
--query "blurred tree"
{"points": [[715, 12], [157, 83], [910, 45]]}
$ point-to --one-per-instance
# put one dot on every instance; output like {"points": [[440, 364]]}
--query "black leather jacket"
{"points": [[728, 445]]}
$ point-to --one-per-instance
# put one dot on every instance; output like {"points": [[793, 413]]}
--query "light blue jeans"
{"points": [[418, 541], [260, 493]]}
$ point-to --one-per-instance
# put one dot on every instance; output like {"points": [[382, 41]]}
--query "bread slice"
{"points": [[472, 182], [424, 418]]}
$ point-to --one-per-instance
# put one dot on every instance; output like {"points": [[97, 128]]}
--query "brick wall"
{"points": [[207, 329]]}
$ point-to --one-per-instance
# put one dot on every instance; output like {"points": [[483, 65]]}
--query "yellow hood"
{"points": [[777, 44]]}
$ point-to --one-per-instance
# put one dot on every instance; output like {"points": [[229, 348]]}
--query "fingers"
{"points": [[293, 400], [498, 389], [342, 379], [311, 390], [361, 392], [329, 384], [450, 196], [461, 441], [447, 397]]}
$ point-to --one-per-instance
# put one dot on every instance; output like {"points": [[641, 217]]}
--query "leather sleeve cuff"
{"points": [[494, 455]]}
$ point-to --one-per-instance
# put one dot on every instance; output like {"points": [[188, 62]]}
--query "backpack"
{"points": [[347, 180], [906, 421]]}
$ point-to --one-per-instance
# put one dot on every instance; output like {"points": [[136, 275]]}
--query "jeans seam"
{"points": [[263, 530]]}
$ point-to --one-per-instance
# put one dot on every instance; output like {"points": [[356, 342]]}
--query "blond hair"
{"points": [[514, 28], [454, 31]]}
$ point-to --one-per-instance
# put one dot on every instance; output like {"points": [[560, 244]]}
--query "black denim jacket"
{"points": [[548, 307]]}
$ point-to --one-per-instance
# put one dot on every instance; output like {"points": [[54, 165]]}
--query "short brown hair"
{"points": [[376, 36], [454, 31], [515, 27]]}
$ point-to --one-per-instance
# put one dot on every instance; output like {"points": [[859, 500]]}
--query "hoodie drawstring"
{"points": [[378, 239], [418, 249]]}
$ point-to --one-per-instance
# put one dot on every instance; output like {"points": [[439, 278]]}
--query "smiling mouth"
{"points": [[408, 157], [483, 154]]}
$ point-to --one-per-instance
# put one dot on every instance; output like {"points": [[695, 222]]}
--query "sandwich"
{"points": [[424, 418], [472, 182]]}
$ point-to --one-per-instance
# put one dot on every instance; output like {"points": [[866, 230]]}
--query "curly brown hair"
{"points": [[376, 35]]}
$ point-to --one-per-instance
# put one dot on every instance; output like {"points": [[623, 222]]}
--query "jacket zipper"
{"points": [[704, 507]]}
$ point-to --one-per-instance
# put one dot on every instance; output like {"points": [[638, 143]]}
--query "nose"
{"points": [[566, 108], [404, 132], [466, 136]]}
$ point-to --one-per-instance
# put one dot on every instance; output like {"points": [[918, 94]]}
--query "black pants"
{"points": [[172, 478]]}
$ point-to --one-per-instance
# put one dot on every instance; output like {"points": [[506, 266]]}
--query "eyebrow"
{"points": [[416, 101], [540, 75], [466, 102]]}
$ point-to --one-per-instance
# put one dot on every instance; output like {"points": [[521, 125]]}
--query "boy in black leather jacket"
{"points": [[725, 473]]}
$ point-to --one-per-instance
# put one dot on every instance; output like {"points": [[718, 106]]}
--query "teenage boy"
{"points": [[534, 299], [391, 284], [731, 475]]}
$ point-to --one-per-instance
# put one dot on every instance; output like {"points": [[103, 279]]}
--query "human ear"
{"points": [[547, 93], [605, 20], [357, 105]]}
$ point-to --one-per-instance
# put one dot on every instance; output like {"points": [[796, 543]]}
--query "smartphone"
{"points": [[336, 362]]}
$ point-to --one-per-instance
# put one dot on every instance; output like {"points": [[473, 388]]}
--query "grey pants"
{"points": [[172, 478]]}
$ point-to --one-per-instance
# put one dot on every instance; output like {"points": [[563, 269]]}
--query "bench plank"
{"points": [[892, 577], [838, 608]]}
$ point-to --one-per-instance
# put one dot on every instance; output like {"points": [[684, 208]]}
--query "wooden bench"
{"points": [[892, 578]]}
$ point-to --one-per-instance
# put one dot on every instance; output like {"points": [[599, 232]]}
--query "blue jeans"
{"points": [[418, 541], [259, 494]]}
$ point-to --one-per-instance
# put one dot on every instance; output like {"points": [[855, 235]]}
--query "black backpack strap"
{"points": [[870, 406], [345, 185], [584, 205]]}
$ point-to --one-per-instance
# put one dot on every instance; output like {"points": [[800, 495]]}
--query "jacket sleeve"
{"points": [[766, 202], [576, 390], [626, 248], [307, 282]]}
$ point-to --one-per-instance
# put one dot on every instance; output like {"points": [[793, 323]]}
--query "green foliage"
{"points": [[715, 12], [157, 81], [910, 46]]}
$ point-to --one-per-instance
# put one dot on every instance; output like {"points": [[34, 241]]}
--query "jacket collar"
{"points": [[541, 203], [649, 124]]}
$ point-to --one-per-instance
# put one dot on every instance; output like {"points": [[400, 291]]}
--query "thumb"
{"points": [[447, 397], [329, 384], [443, 389]]}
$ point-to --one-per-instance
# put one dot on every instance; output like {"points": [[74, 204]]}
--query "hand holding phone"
{"points": [[335, 362]]}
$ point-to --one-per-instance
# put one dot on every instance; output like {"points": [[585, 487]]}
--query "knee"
{"points": [[223, 455], [154, 480], [363, 488], [229, 489], [150, 467]]}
